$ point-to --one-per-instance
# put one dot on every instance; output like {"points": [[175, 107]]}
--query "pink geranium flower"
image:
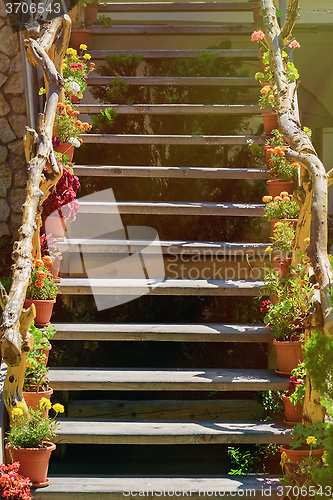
{"points": [[294, 44], [257, 35]]}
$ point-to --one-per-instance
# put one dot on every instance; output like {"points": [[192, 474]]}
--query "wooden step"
{"points": [[172, 208], [202, 248], [175, 7], [187, 140], [170, 172], [150, 379], [137, 287], [175, 81], [114, 487], [174, 30], [223, 409], [213, 332], [172, 109], [105, 431], [170, 54]]}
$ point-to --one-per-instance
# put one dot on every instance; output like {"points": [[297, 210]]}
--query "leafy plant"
{"points": [[68, 127], [103, 20], [36, 372], [272, 403], [297, 385], [283, 236], [42, 285], [76, 67], [12, 485], [281, 207], [48, 246], [41, 337], [30, 428], [309, 437], [63, 198]]}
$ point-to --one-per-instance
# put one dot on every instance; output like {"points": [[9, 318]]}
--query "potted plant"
{"points": [[91, 11], [28, 440], [303, 474], [42, 339], [62, 204], [281, 208], [51, 254], [76, 68], [13, 486], [67, 129], [293, 400], [42, 291], [291, 300], [308, 442], [283, 237]]}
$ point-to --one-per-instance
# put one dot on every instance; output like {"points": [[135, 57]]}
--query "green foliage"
{"points": [[36, 372], [42, 337], [103, 20], [42, 285], [311, 437], [283, 236], [318, 360], [282, 209], [251, 461], [297, 381], [272, 403], [103, 123]]}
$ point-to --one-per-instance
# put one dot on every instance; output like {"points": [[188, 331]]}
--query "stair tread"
{"points": [[164, 29], [176, 172], [172, 109], [164, 332], [211, 140], [114, 486], [168, 247], [111, 431], [173, 208], [174, 53], [138, 287], [166, 379], [180, 80], [175, 7]]}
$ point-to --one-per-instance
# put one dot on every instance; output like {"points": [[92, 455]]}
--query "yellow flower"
{"points": [[71, 52], [269, 249], [307, 240], [21, 405], [325, 456], [58, 408], [83, 46], [311, 440], [17, 412], [283, 459], [87, 56], [79, 95], [64, 65], [45, 404]]}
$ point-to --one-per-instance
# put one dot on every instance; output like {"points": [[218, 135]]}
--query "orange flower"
{"points": [[277, 198], [41, 275], [265, 89], [38, 263], [47, 259], [286, 198], [69, 109], [60, 105], [271, 97], [78, 123], [295, 165], [284, 193], [63, 113], [266, 199], [90, 127], [39, 284], [86, 125]]}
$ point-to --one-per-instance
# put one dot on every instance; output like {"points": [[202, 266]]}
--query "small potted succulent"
{"points": [[283, 237], [28, 440], [62, 204], [13, 486], [281, 208], [42, 292]]}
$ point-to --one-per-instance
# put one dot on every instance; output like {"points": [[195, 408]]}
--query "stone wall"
{"points": [[13, 167]]}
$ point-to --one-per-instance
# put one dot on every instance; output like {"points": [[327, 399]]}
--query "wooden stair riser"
{"points": [[176, 54], [176, 7]]}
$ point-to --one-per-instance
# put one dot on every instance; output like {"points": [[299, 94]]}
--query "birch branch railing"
{"points": [[312, 194], [45, 48]]}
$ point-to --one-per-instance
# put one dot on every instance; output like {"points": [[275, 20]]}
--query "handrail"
{"points": [[45, 48], [311, 232]]}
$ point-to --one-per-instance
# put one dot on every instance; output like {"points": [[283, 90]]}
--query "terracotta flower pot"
{"points": [[54, 266], [78, 37], [282, 264], [90, 14], [46, 353], [274, 221], [65, 148], [270, 122], [297, 456], [32, 399], [44, 310], [56, 225], [34, 462], [255, 11], [293, 413], [289, 354], [276, 186]]}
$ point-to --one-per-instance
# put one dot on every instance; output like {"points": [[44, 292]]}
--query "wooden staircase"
{"points": [[141, 421]]}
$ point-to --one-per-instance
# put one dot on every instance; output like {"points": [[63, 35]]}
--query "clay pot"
{"points": [[44, 310], [297, 456], [46, 353], [276, 186], [289, 354], [54, 266], [32, 399], [293, 413], [270, 122], [90, 14], [282, 264], [65, 148], [34, 462], [255, 12], [78, 37], [56, 225]]}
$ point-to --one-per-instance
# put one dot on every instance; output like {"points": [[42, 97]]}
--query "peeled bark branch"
{"points": [[290, 19]]}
